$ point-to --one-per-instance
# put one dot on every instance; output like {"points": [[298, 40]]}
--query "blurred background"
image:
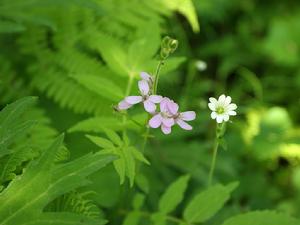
{"points": [[78, 55]]}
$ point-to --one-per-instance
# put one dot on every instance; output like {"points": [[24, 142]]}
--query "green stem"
{"points": [[213, 162], [127, 92], [155, 85]]}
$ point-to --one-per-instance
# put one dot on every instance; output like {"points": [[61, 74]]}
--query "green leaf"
{"points": [[138, 155], [43, 181], [100, 85], [159, 218], [207, 203], [64, 218], [262, 218], [129, 164], [10, 125], [133, 218], [113, 136], [173, 195], [101, 142], [138, 201]]}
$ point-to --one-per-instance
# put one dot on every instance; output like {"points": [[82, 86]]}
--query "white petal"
{"points": [[227, 100], [145, 76], [213, 115], [231, 107], [225, 117], [219, 118], [221, 100], [212, 106], [213, 100], [231, 113], [143, 87]]}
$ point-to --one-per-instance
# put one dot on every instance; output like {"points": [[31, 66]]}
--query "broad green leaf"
{"points": [[43, 181], [10, 125], [262, 218], [133, 218], [138, 201], [159, 218], [173, 195], [207, 203], [101, 142]]}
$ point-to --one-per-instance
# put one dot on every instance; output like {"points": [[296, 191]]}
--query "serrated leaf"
{"points": [[130, 164], [262, 218], [173, 195], [113, 136], [207, 203], [138, 155], [101, 142]]}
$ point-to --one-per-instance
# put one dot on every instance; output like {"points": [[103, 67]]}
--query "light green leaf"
{"points": [[101, 142], [173, 195], [262, 218], [130, 164], [138, 201], [113, 136], [138, 155], [207, 203], [133, 218]]}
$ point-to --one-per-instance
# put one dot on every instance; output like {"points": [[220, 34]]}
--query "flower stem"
{"points": [[155, 85], [213, 162]]}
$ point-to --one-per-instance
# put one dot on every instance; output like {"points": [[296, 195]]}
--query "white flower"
{"points": [[222, 108], [201, 65]]}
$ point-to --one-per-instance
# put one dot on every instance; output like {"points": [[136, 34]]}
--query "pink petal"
{"points": [[173, 107], [124, 105], [188, 115], [145, 76], [155, 121], [155, 98], [165, 129], [163, 104], [149, 106], [133, 99], [184, 125], [143, 87], [168, 122]]}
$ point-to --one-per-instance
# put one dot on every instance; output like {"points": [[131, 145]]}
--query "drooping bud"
{"points": [[168, 46]]}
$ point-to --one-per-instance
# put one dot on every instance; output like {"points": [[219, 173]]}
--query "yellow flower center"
{"points": [[220, 110]]}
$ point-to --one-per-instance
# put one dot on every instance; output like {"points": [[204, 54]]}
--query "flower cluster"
{"points": [[168, 115]]}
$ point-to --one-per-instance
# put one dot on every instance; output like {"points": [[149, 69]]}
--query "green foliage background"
{"points": [[81, 57]]}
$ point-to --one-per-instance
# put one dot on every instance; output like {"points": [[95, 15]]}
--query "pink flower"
{"points": [[169, 115], [148, 100]]}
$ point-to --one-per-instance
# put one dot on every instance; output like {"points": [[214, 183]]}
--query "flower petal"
{"points": [[143, 87], [163, 104], [225, 117], [227, 100], [124, 105], [155, 98], [188, 115], [155, 121], [221, 100], [213, 100], [212, 106], [145, 76], [173, 107], [231, 107], [213, 115], [133, 99], [168, 122], [149, 106], [165, 129], [231, 113], [219, 118], [184, 125]]}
